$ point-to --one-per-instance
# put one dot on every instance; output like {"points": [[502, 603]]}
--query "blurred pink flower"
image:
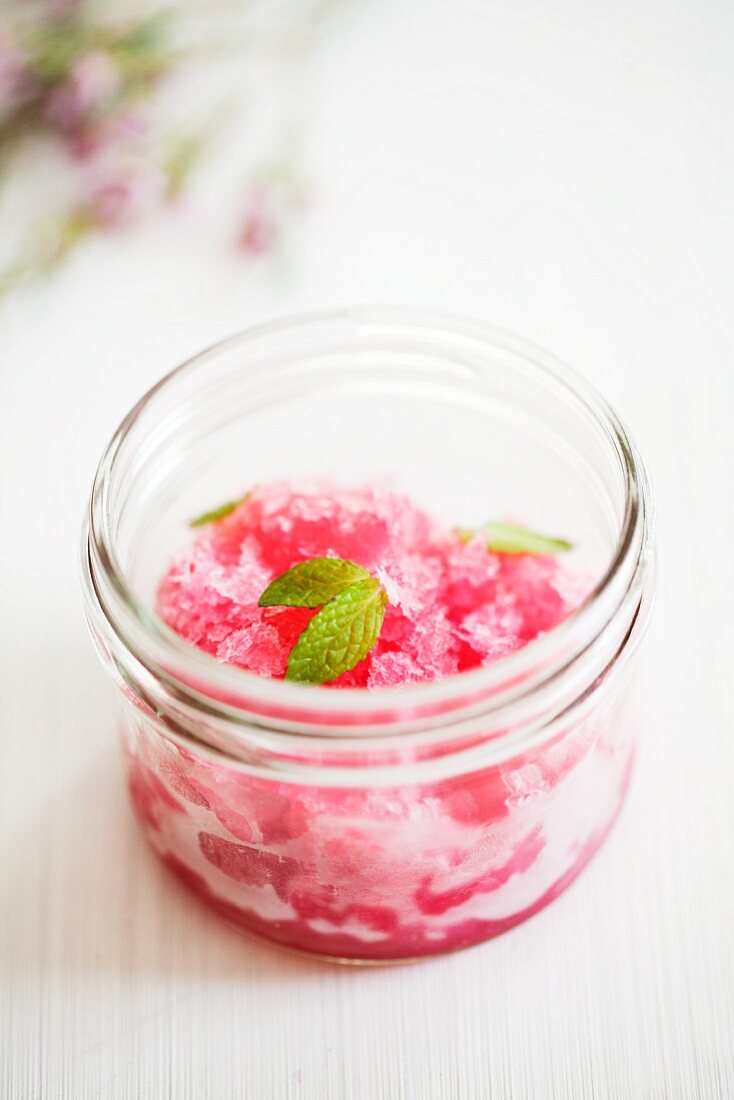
{"points": [[62, 8], [121, 199], [119, 126], [11, 65], [16, 88], [72, 74], [259, 228], [90, 84]]}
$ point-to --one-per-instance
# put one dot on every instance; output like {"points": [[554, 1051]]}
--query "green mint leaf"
{"points": [[220, 512], [507, 538], [312, 583], [339, 635]]}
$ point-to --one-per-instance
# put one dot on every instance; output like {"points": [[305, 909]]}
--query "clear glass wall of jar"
{"points": [[384, 825]]}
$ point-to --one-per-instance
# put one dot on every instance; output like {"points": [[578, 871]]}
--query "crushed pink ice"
{"points": [[453, 605]]}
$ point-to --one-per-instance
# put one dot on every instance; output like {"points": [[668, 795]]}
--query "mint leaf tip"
{"points": [[221, 512], [509, 538]]}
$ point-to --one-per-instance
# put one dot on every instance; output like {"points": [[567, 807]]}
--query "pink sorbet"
{"points": [[440, 850], [453, 605]]}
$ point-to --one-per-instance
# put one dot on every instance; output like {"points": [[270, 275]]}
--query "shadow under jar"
{"points": [[375, 825]]}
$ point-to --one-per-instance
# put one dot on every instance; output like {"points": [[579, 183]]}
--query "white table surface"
{"points": [[564, 170]]}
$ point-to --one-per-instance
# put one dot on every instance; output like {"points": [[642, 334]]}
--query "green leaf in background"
{"points": [[182, 156], [339, 635], [312, 583], [508, 538], [219, 513], [53, 47]]}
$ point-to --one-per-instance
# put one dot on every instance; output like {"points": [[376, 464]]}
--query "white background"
{"points": [[563, 169]]}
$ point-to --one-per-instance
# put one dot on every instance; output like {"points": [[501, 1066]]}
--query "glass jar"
{"points": [[381, 825]]}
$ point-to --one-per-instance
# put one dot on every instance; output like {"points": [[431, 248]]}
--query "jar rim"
{"points": [[231, 692]]}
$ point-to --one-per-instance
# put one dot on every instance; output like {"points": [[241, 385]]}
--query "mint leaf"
{"points": [[340, 634], [347, 626], [312, 583], [507, 538], [220, 512]]}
